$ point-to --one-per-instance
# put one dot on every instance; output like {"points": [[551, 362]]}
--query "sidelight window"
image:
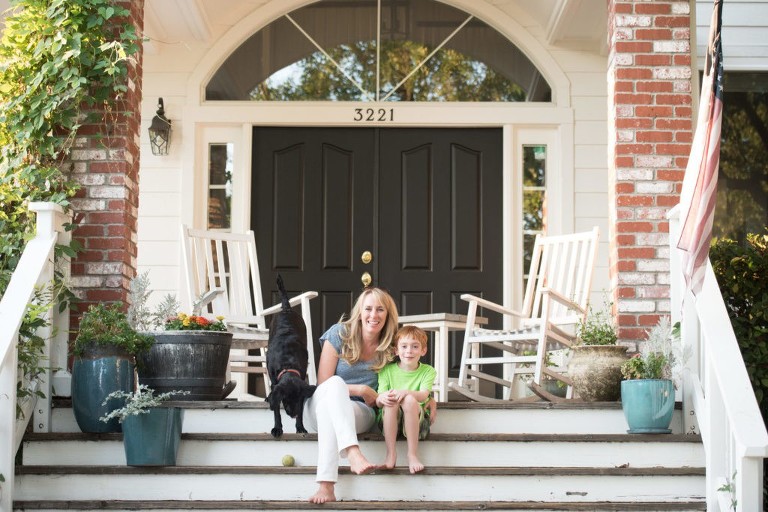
{"points": [[220, 186], [534, 197]]}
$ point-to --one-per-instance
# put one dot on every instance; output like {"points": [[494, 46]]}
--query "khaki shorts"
{"points": [[424, 422]]}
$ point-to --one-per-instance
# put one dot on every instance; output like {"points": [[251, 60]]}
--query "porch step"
{"points": [[453, 417], [535, 456], [297, 483], [475, 450], [434, 506]]}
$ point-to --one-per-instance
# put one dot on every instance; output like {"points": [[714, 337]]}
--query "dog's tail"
{"points": [[283, 293]]}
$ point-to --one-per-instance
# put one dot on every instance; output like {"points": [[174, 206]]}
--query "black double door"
{"points": [[425, 204]]}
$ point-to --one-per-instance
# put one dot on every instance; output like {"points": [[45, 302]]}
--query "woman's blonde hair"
{"points": [[352, 332]]}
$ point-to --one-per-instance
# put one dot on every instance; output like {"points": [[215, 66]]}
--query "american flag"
{"points": [[700, 183]]}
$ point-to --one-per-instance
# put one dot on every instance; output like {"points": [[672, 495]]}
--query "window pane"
{"points": [[528, 241], [220, 164], [219, 209], [742, 186], [534, 165], [533, 211], [220, 185]]}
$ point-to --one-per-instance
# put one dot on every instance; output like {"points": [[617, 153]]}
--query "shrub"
{"points": [[742, 273]]}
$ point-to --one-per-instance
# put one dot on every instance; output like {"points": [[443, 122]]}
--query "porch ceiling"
{"points": [[571, 23]]}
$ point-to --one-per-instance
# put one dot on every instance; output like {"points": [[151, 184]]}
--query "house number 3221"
{"points": [[374, 114]]}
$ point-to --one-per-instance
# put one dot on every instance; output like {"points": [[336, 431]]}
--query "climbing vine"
{"points": [[63, 64]]}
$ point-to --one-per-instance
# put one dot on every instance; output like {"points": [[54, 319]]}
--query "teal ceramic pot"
{"points": [[95, 374], [648, 405], [152, 439]]}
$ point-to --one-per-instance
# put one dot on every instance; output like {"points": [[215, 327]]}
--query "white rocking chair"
{"points": [[556, 301], [222, 279]]}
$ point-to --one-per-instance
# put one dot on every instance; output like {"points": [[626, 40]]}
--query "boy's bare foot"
{"points": [[324, 493], [358, 464], [390, 460], [414, 464]]}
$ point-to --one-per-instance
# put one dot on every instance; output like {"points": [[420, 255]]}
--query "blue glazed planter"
{"points": [[96, 374], [648, 405], [152, 439]]}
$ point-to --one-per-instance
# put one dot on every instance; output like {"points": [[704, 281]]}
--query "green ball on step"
{"points": [[288, 460]]}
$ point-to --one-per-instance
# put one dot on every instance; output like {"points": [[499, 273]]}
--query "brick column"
{"points": [[650, 131], [106, 164]]}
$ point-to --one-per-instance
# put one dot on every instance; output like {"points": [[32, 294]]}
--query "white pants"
{"points": [[337, 421]]}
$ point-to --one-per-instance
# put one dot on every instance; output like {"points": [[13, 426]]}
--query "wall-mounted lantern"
{"points": [[160, 131]]}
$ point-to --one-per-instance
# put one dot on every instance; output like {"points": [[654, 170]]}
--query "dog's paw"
{"points": [[277, 432], [301, 430]]}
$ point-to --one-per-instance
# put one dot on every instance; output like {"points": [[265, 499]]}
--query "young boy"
{"points": [[405, 390]]}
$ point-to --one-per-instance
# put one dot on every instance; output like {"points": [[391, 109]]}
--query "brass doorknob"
{"points": [[366, 257], [366, 279]]}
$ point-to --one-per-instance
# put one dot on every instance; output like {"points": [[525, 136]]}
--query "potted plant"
{"points": [[190, 352], [596, 359], [105, 353], [648, 391], [151, 432]]}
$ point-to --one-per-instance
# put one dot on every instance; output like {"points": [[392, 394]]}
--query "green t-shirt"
{"points": [[421, 379]]}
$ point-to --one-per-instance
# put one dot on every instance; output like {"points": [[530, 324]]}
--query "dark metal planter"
{"points": [[194, 361]]}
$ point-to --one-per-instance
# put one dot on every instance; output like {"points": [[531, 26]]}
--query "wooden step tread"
{"points": [[357, 505], [460, 405], [491, 437], [434, 471]]}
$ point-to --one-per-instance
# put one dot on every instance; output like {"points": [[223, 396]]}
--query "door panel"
{"points": [[312, 195], [440, 216], [425, 202]]}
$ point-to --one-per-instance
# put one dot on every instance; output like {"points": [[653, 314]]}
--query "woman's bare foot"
{"points": [[414, 464], [358, 463], [324, 493], [390, 460]]}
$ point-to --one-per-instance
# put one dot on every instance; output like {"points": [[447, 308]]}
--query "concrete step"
{"points": [[476, 450], [235, 483], [453, 417]]}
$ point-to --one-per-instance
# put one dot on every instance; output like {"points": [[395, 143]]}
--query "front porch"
{"points": [[510, 457]]}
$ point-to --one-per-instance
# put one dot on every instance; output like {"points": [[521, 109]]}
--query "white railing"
{"points": [[718, 398], [35, 268]]}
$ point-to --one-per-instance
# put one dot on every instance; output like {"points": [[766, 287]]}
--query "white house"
{"points": [[437, 138]]}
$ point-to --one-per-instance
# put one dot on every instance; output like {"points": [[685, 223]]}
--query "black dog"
{"points": [[287, 358]]}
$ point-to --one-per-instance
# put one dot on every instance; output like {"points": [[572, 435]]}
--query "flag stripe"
{"points": [[703, 163]]}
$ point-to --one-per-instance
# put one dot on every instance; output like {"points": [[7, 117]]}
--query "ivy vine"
{"points": [[63, 64]]}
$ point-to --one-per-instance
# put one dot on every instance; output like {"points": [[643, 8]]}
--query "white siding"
{"points": [[745, 34]]}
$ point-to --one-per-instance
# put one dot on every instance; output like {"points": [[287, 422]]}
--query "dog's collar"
{"points": [[291, 370]]}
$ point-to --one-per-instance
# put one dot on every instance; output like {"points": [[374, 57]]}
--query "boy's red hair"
{"points": [[411, 331]]}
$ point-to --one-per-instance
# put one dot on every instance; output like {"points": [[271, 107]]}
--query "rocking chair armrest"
{"points": [[562, 299], [294, 301], [206, 299], [491, 305]]}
